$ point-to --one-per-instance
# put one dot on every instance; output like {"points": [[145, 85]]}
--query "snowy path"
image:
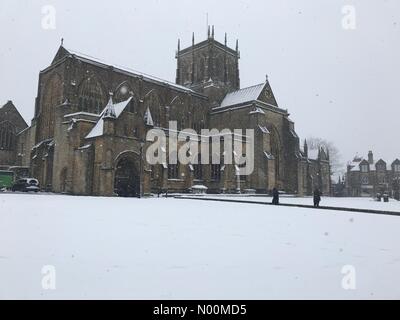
{"points": [[357, 203], [181, 249]]}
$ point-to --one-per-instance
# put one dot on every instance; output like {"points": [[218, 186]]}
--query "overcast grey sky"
{"points": [[342, 85]]}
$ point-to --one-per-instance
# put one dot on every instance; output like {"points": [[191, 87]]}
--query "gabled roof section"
{"points": [[61, 53], [397, 161], [381, 161], [65, 52], [98, 129], [243, 95], [9, 112]]}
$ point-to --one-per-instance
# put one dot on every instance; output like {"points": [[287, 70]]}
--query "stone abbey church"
{"points": [[73, 147]]}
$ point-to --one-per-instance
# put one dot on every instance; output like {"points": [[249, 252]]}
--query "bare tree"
{"points": [[337, 166]]}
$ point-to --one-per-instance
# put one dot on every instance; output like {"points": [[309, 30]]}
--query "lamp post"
{"points": [[142, 144]]}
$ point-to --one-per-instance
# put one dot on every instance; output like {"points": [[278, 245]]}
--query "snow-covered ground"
{"points": [[186, 249]]}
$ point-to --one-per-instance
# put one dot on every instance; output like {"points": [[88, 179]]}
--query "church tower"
{"points": [[209, 67]]}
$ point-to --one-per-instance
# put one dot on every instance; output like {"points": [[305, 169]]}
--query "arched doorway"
{"points": [[126, 180]]}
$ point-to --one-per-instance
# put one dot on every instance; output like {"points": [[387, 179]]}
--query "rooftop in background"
{"points": [[243, 95], [354, 165]]}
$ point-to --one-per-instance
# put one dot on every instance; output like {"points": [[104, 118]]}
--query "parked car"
{"points": [[26, 185]]}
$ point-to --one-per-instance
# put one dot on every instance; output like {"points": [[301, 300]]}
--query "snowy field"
{"points": [[111, 248]]}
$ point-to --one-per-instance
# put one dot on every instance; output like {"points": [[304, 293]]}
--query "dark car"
{"points": [[26, 185]]}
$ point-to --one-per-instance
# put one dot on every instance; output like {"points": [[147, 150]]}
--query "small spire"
{"points": [[209, 32], [193, 39], [148, 119], [179, 45], [266, 77], [62, 42], [226, 39], [237, 45], [110, 110], [213, 33], [305, 148]]}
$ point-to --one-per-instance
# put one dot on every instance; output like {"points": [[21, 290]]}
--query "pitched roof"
{"points": [[63, 52], [397, 161], [355, 164], [98, 129], [243, 95], [10, 112]]}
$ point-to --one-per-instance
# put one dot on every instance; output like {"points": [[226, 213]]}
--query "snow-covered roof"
{"points": [[355, 164], [89, 59], [257, 110], [81, 113], [98, 129], [148, 119], [243, 95]]}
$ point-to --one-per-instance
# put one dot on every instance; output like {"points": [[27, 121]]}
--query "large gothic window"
{"points": [[7, 136], [219, 67], [178, 113], [92, 98], [199, 121], [216, 172], [173, 171], [52, 97], [187, 73], [276, 152], [201, 69]]}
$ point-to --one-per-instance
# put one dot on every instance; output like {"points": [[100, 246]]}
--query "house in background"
{"points": [[367, 177]]}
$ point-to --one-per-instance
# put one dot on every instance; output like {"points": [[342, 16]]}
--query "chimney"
{"points": [[370, 157]]}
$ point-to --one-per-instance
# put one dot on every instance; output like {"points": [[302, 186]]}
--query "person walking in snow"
{"points": [[317, 197], [275, 196]]}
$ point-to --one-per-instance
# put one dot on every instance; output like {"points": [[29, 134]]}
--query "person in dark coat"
{"points": [[317, 197], [275, 196]]}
